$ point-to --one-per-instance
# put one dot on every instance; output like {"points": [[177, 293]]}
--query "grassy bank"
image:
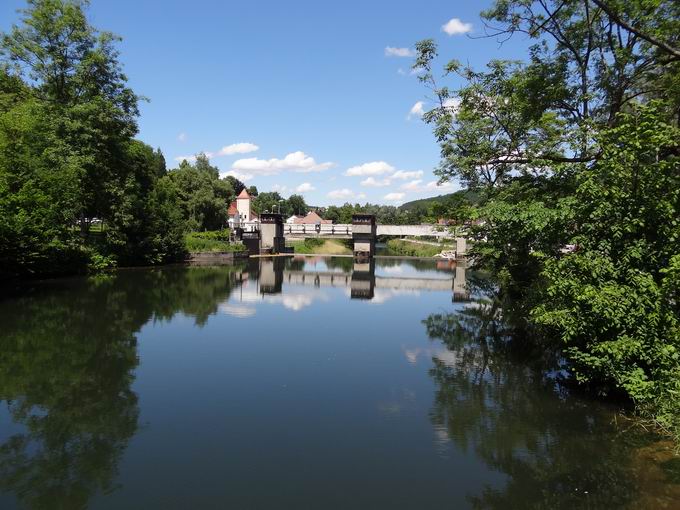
{"points": [[320, 246], [210, 241], [412, 249]]}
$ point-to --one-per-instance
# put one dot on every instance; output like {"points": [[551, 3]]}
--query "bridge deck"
{"points": [[344, 230]]}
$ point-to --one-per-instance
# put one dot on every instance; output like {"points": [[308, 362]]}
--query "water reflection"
{"points": [[363, 279], [68, 353], [510, 409], [458, 405]]}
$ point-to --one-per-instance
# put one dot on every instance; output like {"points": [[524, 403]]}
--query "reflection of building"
{"points": [[240, 210], [271, 275], [363, 279], [460, 289]]}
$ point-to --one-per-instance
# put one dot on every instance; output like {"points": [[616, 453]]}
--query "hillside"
{"points": [[425, 203]]}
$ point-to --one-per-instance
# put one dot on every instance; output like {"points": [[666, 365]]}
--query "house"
{"points": [[293, 219], [312, 218], [241, 211]]}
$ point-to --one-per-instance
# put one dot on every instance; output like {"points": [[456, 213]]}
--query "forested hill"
{"points": [[425, 203]]}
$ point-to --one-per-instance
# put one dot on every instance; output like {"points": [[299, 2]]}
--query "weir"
{"points": [[268, 235]]}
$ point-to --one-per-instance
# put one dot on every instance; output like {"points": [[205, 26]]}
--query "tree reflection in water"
{"points": [[67, 361], [509, 407]]}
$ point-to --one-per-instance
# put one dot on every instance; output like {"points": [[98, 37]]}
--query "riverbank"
{"points": [[415, 249]]}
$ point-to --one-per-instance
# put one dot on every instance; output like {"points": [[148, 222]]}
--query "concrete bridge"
{"points": [[345, 231], [270, 233]]}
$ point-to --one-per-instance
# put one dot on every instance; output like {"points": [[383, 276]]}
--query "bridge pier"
{"points": [[271, 233], [363, 235]]}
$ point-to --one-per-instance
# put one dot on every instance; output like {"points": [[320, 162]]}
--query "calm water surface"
{"points": [[295, 384]]}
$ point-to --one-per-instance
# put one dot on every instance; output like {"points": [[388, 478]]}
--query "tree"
{"points": [[576, 157], [526, 118], [252, 191], [235, 184], [204, 198], [269, 202], [296, 205], [67, 153], [78, 77], [614, 301]]}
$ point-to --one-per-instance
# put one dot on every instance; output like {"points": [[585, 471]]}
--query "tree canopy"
{"points": [[574, 151]]}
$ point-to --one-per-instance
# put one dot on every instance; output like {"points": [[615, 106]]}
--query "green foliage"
{"points": [[217, 241], [385, 214], [614, 301], [204, 198], [67, 154], [574, 152], [411, 249], [100, 263]]}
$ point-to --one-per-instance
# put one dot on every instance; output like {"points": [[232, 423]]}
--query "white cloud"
{"points": [[237, 148], [182, 137], [399, 52], [339, 194], [417, 110], [403, 174], [372, 182], [412, 185], [305, 187], [435, 186], [227, 150], [295, 161], [372, 168], [281, 188], [240, 176], [455, 26], [392, 197], [418, 186], [190, 159], [401, 72]]}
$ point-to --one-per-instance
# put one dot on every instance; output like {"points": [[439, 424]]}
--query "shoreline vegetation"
{"points": [[211, 241], [416, 249], [574, 153]]}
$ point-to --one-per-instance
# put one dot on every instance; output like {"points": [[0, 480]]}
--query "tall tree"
{"points": [[575, 151]]}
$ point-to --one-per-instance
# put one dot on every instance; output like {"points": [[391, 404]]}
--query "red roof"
{"points": [[311, 219], [243, 194]]}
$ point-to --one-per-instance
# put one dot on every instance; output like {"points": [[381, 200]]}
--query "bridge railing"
{"points": [[317, 229], [345, 230]]}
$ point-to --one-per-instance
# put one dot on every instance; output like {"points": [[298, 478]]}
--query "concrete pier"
{"points": [[364, 235], [271, 233]]}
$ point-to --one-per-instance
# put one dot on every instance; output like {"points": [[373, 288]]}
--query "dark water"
{"points": [[295, 384]]}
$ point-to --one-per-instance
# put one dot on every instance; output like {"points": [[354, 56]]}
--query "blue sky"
{"points": [[298, 96]]}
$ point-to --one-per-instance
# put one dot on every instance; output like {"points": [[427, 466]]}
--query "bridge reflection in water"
{"points": [[360, 278]]}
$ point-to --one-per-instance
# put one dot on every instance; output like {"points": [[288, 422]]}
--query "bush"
{"points": [[402, 247], [614, 302], [212, 241]]}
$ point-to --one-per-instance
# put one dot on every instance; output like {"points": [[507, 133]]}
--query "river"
{"points": [[300, 383]]}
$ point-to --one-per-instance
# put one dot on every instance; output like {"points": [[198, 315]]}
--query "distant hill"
{"points": [[423, 203]]}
